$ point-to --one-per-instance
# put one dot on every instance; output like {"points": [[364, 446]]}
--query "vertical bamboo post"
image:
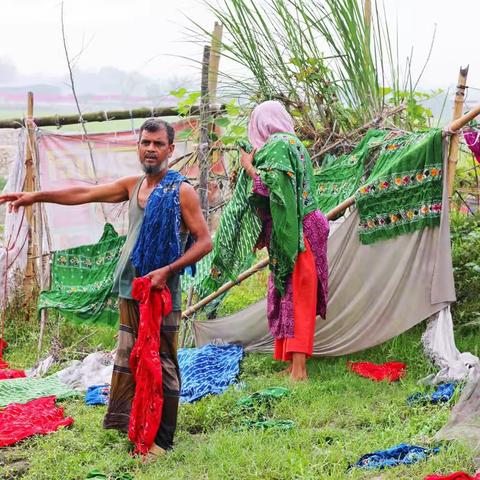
{"points": [[203, 160], [29, 186], [455, 139], [214, 62]]}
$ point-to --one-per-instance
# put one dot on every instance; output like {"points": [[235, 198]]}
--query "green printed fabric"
{"points": [[284, 166], [340, 178], [233, 244], [404, 190], [82, 280], [22, 390]]}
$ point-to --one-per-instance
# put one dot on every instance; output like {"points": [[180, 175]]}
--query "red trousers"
{"points": [[304, 285]]}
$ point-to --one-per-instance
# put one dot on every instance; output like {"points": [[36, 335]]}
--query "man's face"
{"points": [[154, 151]]}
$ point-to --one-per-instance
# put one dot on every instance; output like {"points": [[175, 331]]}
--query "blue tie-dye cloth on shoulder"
{"points": [[208, 370]]}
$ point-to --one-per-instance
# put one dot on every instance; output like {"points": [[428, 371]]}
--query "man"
{"points": [[144, 245]]}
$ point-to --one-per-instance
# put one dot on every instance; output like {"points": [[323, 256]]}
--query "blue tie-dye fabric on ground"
{"points": [[209, 369], [442, 394], [401, 454], [97, 395]]}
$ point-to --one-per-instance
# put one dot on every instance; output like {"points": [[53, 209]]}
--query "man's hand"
{"points": [[159, 277], [17, 200]]}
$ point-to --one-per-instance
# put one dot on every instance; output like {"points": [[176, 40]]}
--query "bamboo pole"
{"points": [[29, 186], [258, 266], [464, 119], [367, 15], [203, 151], [61, 120], [455, 140], [214, 62]]}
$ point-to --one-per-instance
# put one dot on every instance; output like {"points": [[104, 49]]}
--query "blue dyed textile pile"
{"points": [[97, 394], [208, 370], [402, 454], [442, 394]]}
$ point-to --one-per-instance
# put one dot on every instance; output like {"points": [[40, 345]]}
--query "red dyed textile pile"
{"points": [[145, 364], [453, 476], [3, 344], [6, 373], [22, 420], [390, 371]]}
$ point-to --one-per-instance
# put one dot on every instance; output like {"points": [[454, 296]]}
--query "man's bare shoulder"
{"points": [[129, 182], [187, 193]]}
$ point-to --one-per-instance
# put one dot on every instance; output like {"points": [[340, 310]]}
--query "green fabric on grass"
{"points": [[22, 390], [82, 280]]}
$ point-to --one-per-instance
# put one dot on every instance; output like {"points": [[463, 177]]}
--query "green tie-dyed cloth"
{"points": [[404, 191], [82, 280]]}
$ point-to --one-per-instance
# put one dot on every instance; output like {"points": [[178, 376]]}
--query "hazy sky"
{"points": [[142, 36]]}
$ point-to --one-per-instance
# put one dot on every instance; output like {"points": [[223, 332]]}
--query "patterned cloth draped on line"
{"points": [[82, 279]]}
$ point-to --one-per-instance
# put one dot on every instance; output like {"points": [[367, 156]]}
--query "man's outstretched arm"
{"points": [[113, 192], [196, 224]]}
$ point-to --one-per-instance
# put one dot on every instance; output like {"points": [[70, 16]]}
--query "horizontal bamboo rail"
{"points": [[102, 116]]}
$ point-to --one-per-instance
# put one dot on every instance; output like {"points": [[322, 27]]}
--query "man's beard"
{"points": [[154, 169]]}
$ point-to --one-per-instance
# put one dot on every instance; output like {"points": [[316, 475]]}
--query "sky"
{"points": [[150, 37]]}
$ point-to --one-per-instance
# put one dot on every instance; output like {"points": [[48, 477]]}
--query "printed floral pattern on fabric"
{"points": [[82, 279], [404, 191]]}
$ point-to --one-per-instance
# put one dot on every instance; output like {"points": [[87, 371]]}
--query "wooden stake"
{"points": [[257, 267], [455, 140], [29, 186], [214, 62], [203, 151]]}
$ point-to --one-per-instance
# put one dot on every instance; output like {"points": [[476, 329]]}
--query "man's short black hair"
{"points": [[156, 124]]}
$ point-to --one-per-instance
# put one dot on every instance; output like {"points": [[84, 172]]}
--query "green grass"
{"points": [[338, 415]]}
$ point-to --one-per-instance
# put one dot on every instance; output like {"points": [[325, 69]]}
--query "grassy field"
{"points": [[338, 416]]}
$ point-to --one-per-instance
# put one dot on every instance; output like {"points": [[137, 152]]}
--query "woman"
{"points": [[294, 232]]}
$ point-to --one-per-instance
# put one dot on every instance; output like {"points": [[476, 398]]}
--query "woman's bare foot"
{"points": [[299, 369]]}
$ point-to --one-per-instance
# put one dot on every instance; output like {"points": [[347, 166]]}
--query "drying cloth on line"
{"points": [[402, 454], [97, 395], [442, 394], [82, 279], [341, 178], [404, 191], [390, 371], [22, 420], [22, 390], [145, 365], [208, 370], [453, 476], [472, 139], [369, 302], [6, 374], [439, 345]]}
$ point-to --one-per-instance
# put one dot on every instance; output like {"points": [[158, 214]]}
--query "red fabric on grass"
{"points": [[390, 371], [145, 364], [22, 420], [453, 476], [6, 373], [3, 344]]}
